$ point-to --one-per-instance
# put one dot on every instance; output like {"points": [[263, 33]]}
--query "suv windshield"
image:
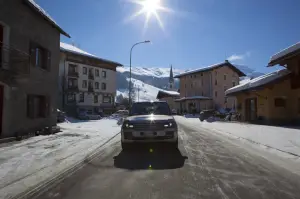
{"points": [[146, 108]]}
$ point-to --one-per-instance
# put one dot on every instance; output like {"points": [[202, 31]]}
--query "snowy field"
{"points": [[27, 163], [283, 139]]}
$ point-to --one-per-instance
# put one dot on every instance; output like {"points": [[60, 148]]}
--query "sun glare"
{"points": [[150, 8]]}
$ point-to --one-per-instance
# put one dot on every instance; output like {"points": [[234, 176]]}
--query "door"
{"points": [[1, 106], [251, 109], [1, 43]]}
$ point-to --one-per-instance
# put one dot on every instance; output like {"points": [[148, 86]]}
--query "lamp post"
{"points": [[143, 42]]}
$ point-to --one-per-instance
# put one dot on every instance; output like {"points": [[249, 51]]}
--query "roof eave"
{"points": [[283, 58], [47, 19]]}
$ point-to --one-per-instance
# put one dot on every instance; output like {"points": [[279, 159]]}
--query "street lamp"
{"points": [[143, 42]]}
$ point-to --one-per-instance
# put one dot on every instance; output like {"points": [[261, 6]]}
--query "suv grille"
{"points": [[149, 126]]}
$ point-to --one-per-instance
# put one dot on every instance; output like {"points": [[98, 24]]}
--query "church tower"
{"points": [[171, 80]]}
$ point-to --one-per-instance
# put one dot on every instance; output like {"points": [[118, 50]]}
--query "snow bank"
{"points": [[284, 139], [259, 81], [150, 71], [28, 163]]}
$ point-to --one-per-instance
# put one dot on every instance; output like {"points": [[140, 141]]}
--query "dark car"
{"points": [[205, 114], [61, 116], [149, 122]]}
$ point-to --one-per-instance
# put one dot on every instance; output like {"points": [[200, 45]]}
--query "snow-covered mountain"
{"points": [[150, 80]]}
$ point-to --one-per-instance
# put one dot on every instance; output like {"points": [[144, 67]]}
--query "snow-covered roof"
{"points": [[170, 93], [44, 14], [290, 51], [193, 97], [259, 81], [76, 50], [207, 68]]}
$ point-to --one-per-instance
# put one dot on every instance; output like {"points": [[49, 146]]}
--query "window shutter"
{"points": [[30, 106], [48, 58], [32, 53]]}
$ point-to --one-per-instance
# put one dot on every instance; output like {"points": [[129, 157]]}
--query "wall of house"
{"points": [[88, 103], [171, 102], [183, 106], [25, 26], [197, 84], [266, 103], [220, 85]]}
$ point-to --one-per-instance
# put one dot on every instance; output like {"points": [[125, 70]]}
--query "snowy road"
{"points": [[205, 166]]}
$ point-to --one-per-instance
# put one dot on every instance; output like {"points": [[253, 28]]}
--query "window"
{"points": [[194, 76], [225, 100], [106, 99], [81, 97], [97, 72], [103, 86], [91, 71], [84, 83], [96, 85], [225, 88], [95, 98], [191, 76], [233, 84], [280, 102], [71, 98], [72, 83], [216, 94], [224, 77], [216, 82], [38, 106], [39, 56], [72, 68], [104, 74], [201, 74], [84, 70]]}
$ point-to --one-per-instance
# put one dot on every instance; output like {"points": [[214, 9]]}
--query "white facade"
{"points": [[77, 83]]}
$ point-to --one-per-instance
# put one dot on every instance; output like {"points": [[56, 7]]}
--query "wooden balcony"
{"points": [[14, 65]]}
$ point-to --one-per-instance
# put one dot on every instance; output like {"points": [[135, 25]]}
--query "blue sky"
{"points": [[197, 33]]}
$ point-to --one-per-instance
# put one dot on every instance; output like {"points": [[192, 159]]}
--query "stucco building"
{"points": [[87, 82], [273, 98], [29, 59], [204, 88]]}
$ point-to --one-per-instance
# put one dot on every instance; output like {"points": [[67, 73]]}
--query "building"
{"points": [[171, 95], [204, 88], [87, 82], [273, 98], [29, 58]]}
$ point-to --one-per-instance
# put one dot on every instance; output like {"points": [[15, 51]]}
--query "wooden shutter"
{"points": [[30, 106], [32, 52]]}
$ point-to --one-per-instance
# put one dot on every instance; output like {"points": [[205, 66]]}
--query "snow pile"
{"points": [[28, 163], [284, 139], [150, 71], [285, 52], [259, 81]]}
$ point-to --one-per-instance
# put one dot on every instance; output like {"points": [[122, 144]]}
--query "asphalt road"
{"points": [[205, 166]]}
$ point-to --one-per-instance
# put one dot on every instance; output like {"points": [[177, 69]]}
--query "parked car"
{"points": [[121, 113], [149, 122], [174, 112], [205, 114], [61, 116], [88, 115]]}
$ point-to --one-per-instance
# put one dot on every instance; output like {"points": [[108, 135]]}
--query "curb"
{"points": [[50, 183], [6, 140]]}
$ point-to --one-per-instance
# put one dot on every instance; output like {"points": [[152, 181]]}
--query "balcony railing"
{"points": [[91, 76], [72, 89], [73, 74], [14, 63]]}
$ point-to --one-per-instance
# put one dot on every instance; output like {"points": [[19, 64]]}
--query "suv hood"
{"points": [[138, 118]]}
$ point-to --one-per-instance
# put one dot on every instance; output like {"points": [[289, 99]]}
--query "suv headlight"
{"points": [[170, 124], [127, 125]]}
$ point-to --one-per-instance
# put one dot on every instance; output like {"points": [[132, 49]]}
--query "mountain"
{"points": [[148, 81]]}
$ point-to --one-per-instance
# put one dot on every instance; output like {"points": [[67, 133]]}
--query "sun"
{"points": [[150, 8]]}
